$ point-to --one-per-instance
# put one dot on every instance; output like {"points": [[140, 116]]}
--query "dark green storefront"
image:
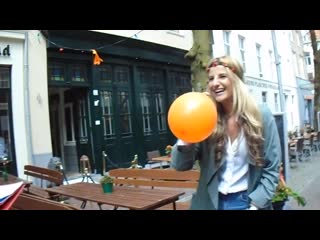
{"points": [[118, 107]]}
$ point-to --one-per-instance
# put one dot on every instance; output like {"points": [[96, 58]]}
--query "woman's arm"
{"points": [[262, 195], [183, 155]]}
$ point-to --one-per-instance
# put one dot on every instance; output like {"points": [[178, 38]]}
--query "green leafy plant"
{"points": [[135, 163], [283, 192], [168, 150], [106, 179]]}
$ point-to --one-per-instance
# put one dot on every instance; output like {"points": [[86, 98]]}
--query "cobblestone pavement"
{"points": [[305, 179]]}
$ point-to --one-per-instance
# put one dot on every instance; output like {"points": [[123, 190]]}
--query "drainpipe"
{"points": [[282, 106], [27, 97]]}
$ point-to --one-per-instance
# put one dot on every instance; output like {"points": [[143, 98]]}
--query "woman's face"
{"points": [[219, 85]]}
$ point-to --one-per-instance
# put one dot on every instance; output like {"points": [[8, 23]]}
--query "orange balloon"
{"points": [[192, 117]]}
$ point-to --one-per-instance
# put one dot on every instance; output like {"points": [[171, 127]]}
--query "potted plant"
{"points": [[168, 150], [107, 184], [135, 163], [283, 192]]}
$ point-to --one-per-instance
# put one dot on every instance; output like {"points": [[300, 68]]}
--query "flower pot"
{"points": [[278, 205], [107, 187]]}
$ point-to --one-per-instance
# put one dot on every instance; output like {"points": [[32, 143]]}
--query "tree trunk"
{"points": [[315, 41], [200, 54]]}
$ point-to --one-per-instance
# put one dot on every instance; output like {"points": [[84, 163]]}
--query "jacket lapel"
{"points": [[212, 167]]}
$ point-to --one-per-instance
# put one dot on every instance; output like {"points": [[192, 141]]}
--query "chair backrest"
{"points": [[300, 145], [152, 154], [308, 141], [156, 177], [31, 202], [44, 174]]}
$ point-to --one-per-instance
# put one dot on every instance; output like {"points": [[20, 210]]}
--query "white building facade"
{"points": [[272, 80], [255, 50], [24, 114]]}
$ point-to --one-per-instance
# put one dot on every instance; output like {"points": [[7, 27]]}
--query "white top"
{"points": [[234, 174]]}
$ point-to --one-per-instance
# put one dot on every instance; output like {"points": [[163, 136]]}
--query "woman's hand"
{"points": [[182, 143]]}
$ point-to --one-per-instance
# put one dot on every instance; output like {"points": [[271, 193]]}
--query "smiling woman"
{"points": [[245, 140]]}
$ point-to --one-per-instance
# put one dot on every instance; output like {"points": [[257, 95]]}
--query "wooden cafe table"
{"points": [[133, 198]]}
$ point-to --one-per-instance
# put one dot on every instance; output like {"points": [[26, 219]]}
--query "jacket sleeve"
{"points": [[262, 195], [183, 157]]}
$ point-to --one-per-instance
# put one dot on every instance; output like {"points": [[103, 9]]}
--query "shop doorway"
{"points": [[69, 122]]}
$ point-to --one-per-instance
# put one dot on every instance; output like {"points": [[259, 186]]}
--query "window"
{"points": [[5, 121], [306, 36], [258, 52], [271, 64], [56, 72], [83, 121], [276, 103], [69, 128], [307, 58], [106, 74], [286, 100], [160, 111], [226, 41], [264, 97], [146, 114], [107, 114], [125, 113], [242, 56], [4, 77], [122, 75], [78, 73]]}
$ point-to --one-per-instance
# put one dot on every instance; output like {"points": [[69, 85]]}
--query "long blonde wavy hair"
{"points": [[244, 108]]}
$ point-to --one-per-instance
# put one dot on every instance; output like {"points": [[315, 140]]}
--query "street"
{"points": [[305, 179]]}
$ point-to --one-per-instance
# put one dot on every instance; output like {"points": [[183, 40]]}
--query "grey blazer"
{"points": [[262, 181]]}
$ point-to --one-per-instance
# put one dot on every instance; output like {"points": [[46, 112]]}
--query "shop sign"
{"points": [[5, 51]]}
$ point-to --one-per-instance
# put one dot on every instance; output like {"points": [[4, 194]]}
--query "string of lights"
{"points": [[97, 59], [94, 48]]}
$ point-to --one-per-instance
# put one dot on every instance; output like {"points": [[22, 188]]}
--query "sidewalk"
{"points": [[305, 179]]}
